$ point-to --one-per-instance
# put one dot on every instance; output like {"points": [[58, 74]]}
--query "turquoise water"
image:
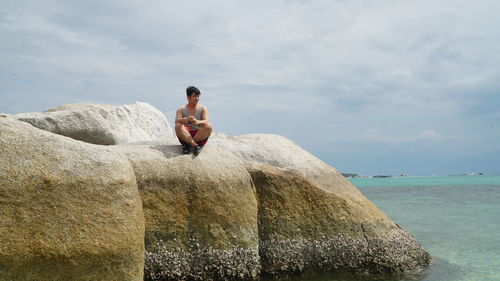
{"points": [[456, 218], [427, 181]]}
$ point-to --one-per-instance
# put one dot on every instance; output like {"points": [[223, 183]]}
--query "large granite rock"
{"points": [[303, 228], [201, 213], [247, 204], [312, 219], [281, 152], [103, 124], [68, 210]]}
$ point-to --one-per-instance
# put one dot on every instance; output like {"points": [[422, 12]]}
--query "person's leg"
{"points": [[203, 133], [183, 134]]}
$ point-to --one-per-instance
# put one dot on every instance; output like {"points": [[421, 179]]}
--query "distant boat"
{"points": [[472, 174]]}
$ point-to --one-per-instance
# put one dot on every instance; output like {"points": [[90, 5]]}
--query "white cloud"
{"points": [[335, 67], [427, 135]]}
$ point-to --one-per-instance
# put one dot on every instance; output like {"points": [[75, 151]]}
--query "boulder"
{"points": [[246, 205], [103, 124], [281, 152], [312, 219], [303, 228], [201, 213], [68, 210]]}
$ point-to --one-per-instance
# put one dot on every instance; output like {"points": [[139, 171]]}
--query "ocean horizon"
{"points": [[437, 180]]}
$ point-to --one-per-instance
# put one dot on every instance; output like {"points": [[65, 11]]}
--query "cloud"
{"points": [[427, 135], [335, 67]]}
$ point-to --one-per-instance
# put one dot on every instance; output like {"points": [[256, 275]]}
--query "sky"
{"points": [[370, 87]]}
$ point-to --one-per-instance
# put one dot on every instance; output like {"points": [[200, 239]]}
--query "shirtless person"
{"points": [[191, 123]]}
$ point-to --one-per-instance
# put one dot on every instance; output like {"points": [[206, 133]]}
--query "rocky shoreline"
{"points": [[86, 195], [201, 263]]}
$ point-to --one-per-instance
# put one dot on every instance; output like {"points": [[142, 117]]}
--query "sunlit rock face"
{"points": [[303, 228], [68, 210], [201, 213], [247, 206], [312, 219], [102, 124]]}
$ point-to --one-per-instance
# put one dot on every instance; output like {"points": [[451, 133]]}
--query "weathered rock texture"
{"points": [[68, 210], [281, 152], [201, 214], [305, 228], [246, 205], [312, 219], [103, 124]]}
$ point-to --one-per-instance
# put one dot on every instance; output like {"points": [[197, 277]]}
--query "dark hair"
{"points": [[192, 90]]}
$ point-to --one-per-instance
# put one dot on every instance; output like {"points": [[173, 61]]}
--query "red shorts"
{"points": [[193, 133]]}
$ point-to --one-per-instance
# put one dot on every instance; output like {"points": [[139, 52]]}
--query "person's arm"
{"points": [[204, 117], [179, 118]]}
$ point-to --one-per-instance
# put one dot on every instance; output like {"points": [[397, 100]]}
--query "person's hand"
{"points": [[195, 121], [190, 119]]}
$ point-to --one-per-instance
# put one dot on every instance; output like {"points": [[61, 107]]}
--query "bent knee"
{"points": [[208, 126]]}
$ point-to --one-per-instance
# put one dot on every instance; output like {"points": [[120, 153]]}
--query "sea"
{"points": [[456, 218]]}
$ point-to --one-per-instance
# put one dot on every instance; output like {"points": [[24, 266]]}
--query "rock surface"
{"points": [[68, 210], [246, 205], [103, 124], [312, 219], [201, 214], [281, 152], [303, 228]]}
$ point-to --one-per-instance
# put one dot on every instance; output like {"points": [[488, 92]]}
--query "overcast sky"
{"points": [[371, 87]]}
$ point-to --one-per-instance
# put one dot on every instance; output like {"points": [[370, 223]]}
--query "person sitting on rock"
{"points": [[191, 123]]}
